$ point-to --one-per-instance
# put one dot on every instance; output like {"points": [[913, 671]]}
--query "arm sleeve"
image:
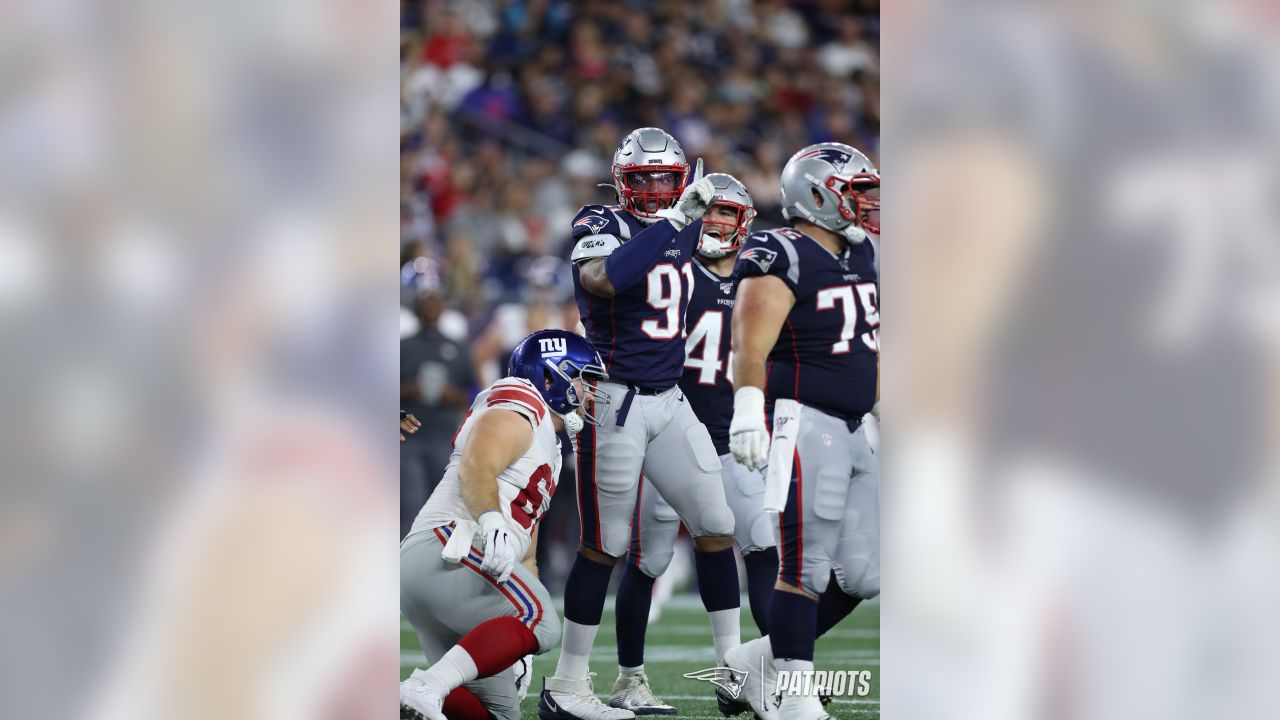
{"points": [[765, 253], [630, 262]]}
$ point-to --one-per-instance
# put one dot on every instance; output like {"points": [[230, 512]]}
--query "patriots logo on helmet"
{"points": [[762, 257], [835, 156], [594, 223]]}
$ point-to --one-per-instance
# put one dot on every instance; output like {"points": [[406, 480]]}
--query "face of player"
{"points": [[652, 190], [862, 199], [720, 231]]}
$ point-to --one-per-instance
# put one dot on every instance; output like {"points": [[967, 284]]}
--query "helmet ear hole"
{"points": [[817, 197], [547, 379]]}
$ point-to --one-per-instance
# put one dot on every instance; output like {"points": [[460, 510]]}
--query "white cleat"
{"points": [[757, 689], [574, 699], [632, 692], [419, 699], [802, 707], [523, 671]]}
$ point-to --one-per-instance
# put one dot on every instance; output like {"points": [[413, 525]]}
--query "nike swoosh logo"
{"points": [[551, 704], [598, 212]]}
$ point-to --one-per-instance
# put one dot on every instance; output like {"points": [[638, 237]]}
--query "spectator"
{"points": [[436, 382]]}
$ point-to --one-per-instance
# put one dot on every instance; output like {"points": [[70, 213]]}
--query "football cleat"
{"points": [[419, 700], [574, 699], [729, 705], [632, 692], [802, 707], [757, 688], [523, 671]]}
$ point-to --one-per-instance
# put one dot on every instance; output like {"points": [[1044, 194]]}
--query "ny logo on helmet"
{"points": [[555, 346]]}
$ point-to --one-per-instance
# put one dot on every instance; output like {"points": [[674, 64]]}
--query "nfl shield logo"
{"points": [[726, 288]]}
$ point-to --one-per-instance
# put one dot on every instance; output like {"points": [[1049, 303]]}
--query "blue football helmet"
{"points": [[551, 360]]}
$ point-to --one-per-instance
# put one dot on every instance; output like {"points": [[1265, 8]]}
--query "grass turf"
{"points": [[680, 642]]}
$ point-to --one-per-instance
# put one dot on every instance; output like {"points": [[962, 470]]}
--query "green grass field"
{"points": [[680, 642]]}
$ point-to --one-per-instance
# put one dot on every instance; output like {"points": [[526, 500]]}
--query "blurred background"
{"points": [[510, 113]]}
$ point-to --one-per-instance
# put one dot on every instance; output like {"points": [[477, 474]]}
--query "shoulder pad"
{"points": [[597, 220], [518, 395], [594, 246]]}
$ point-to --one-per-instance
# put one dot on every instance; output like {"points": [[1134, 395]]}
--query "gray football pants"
{"points": [[655, 526], [832, 518], [659, 436], [444, 602]]}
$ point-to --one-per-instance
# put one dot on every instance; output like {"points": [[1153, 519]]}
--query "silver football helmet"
{"points": [[722, 233], [649, 172], [831, 185]]}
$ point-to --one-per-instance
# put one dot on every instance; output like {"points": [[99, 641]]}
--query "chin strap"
{"points": [[573, 423], [854, 233]]}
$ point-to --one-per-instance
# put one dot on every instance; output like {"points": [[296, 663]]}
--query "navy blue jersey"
{"points": [[706, 380], [828, 349], [640, 331]]}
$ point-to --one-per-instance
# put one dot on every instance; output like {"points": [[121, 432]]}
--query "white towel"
{"points": [[464, 531], [777, 477]]}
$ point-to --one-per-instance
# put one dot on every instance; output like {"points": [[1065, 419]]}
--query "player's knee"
{"points": [[865, 587], [654, 563], [717, 520], [756, 536], [547, 632]]}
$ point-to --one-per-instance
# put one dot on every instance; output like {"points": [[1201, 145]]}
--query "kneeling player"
{"points": [[467, 580]]}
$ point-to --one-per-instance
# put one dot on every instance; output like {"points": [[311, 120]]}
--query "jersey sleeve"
{"points": [[596, 233], [766, 253], [515, 395]]}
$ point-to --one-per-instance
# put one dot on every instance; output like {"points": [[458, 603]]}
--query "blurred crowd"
{"points": [[510, 113]]}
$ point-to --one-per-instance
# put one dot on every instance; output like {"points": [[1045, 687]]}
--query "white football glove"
{"points": [[748, 437], [499, 549], [693, 202]]}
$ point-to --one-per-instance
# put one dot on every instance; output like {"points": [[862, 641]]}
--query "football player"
{"points": [[706, 382], [467, 579], [806, 366], [632, 276]]}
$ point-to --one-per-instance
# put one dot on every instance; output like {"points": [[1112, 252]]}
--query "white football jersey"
{"points": [[525, 487]]}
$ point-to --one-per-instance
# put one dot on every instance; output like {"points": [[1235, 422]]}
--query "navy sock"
{"points": [[793, 621], [635, 594], [833, 606], [717, 579], [588, 582], [762, 573]]}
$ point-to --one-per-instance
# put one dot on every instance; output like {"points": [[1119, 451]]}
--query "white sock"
{"points": [[452, 670], [726, 631], [575, 650], [625, 671]]}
